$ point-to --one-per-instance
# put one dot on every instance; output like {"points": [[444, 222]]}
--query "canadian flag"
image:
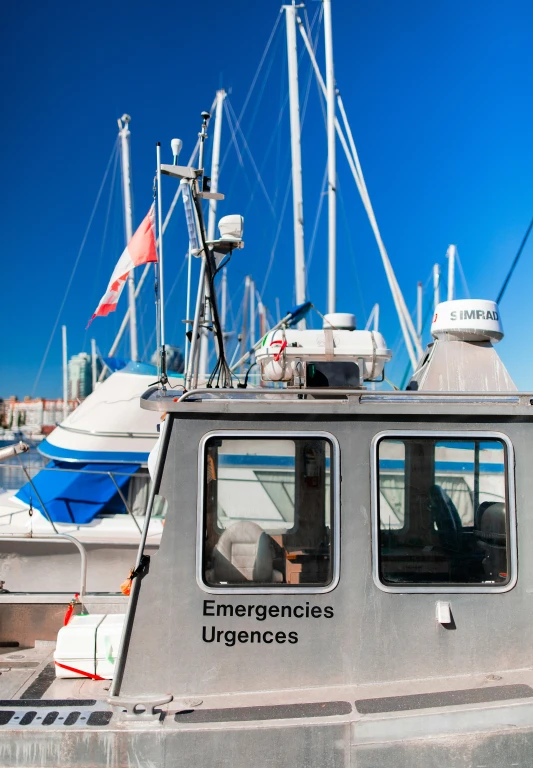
{"points": [[141, 249]]}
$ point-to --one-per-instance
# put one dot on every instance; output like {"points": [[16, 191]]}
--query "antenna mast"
{"points": [[211, 220], [163, 353], [296, 156], [124, 133], [332, 171]]}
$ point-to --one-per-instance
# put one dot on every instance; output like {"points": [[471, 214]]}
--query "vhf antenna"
{"points": [[203, 136]]}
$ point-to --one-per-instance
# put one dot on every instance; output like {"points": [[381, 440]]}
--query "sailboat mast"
{"points": [[296, 157], [211, 220], [436, 286], [65, 370], [252, 312], [419, 300], [451, 271], [124, 134], [332, 172]]}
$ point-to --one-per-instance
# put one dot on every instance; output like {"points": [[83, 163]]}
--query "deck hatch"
{"points": [[443, 699]]}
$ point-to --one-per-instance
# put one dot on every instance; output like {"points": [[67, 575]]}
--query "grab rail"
{"points": [[98, 433], [363, 395], [72, 539]]}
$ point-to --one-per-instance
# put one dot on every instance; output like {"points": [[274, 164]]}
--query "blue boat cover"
{"points": [[115, 363], [74, 497]]}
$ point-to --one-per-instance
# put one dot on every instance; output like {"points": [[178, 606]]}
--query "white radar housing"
{"points": [[342, 321], [231, 227], [468, 320]]}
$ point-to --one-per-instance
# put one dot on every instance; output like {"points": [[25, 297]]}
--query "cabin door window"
{"points": [[443, 506], [267, 512]]}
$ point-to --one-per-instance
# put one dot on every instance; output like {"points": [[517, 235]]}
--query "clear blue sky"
{"points": [[439, 96]]}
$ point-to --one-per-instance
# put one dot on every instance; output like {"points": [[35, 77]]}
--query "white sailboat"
{"points": [[96, 481]]}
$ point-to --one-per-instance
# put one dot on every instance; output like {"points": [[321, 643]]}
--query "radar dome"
{"points": [[468, 320], [344, 321]]}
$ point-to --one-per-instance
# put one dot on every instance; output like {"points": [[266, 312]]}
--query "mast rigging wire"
{"points": [[315, 226], [463, 278], [515, 262], [74, 268], [413, 345], [104, 238], [254, 81], [278, 232], [236, 122], [399, 341], [249, 153]]}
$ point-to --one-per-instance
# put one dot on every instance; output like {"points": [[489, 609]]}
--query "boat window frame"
{"points": [[335, 485], [405, 434]]}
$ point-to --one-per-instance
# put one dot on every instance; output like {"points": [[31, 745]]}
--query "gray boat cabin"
{"points": [[344, 575], [344, 579]]}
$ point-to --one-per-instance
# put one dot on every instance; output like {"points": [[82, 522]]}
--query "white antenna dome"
{"points": [[341, 321], [176, 145], [468, 320], [231, 227]]}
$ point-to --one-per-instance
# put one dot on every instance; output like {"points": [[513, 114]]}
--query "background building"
{"points": [[80, 376]]}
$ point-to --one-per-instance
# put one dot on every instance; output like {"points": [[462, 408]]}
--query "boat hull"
{"points": [[496, 736]]}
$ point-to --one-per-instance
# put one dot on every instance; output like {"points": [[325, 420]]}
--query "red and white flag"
{"points": [[141, 249]]}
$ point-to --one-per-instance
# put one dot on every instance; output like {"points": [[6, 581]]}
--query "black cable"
{"points": [[221, 369], [245, 383], [515, 262], [223, 264]]}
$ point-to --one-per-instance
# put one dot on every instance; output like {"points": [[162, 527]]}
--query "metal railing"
{"points": [[112, 476], [45, 539], [99, 433], [162, 400], [362, 395]]}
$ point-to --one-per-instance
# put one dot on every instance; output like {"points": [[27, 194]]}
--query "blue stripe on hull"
{"points": [[67, 454]]}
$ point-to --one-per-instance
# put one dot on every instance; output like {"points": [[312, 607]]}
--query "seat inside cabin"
{"points": [[267, 512], [443, 512]]}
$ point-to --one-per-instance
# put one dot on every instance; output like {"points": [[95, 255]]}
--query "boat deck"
{"points": [[28, 681]]}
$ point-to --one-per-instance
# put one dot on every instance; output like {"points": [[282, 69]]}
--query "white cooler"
{"points": [[89, 644]]}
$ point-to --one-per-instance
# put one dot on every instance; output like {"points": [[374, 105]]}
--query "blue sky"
{"points": [[439, 99]]}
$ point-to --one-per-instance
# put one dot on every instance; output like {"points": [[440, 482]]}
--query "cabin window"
{"points": [[267, 512], [443, 511]]}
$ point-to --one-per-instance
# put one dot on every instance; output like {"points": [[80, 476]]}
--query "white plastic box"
{"points": [[108, 637], [366, 348], [89, 644]]}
